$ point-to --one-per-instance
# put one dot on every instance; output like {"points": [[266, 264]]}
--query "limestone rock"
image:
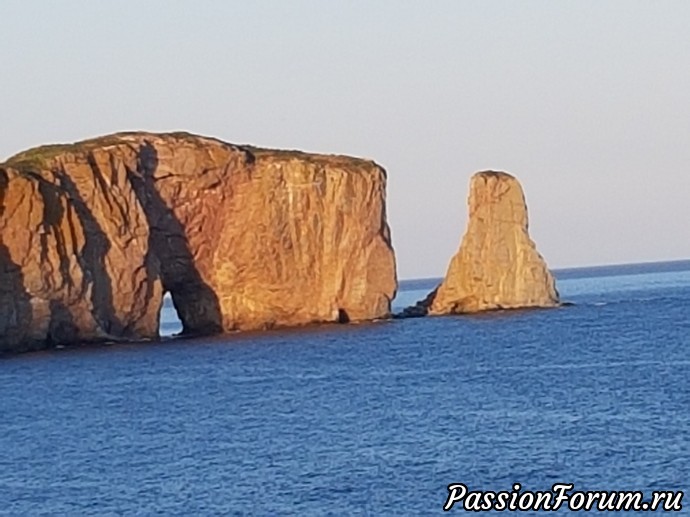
{"points": [[497, 265], [93, 234]]}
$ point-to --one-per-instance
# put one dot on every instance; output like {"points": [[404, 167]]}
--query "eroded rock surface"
{"points": [[497, 265], [93, 234]]}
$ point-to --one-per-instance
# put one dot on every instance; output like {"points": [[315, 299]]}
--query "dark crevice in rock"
{"points": [[342, 316]]}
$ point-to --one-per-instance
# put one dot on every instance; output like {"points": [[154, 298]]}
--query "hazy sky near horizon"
{"points": [[587, 102]]}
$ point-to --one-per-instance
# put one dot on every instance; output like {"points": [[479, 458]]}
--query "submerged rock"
{"points": [[93, 234], [497, 265]]}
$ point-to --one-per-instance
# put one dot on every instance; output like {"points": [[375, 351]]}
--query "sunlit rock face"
{"points": [[93, 234], [497, 265]]}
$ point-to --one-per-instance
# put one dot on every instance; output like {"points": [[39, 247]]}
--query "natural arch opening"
{"points": [[170, 323], [190, 306]]}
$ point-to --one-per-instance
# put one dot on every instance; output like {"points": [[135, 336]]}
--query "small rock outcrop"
{"points": [[497, 265], [93, 234]]}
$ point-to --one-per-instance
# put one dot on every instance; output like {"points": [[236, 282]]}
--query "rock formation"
{"points": [[93, 234], [497, 265]]}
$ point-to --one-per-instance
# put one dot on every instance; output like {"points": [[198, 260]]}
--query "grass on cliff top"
{"points": [[315, 158], [39, 157]]}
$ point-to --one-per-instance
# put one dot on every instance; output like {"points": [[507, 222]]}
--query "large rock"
{"points": [[93, 234], [497, 265]]}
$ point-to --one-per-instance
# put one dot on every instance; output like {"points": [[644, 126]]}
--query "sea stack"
{"points": [[93, 234], [497, 265]]}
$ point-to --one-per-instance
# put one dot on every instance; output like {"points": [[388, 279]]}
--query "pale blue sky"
{"points": [[586, 102]]}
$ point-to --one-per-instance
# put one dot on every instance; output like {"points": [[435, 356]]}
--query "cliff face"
{"points": [[93, 234], [497, 265]]}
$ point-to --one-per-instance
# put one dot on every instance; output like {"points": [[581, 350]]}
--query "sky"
{"points": [[586, 102]]}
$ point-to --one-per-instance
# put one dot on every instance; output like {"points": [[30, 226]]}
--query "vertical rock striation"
{"points": [[497, 265], [93, 234]]}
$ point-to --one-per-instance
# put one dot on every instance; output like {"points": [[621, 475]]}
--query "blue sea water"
{"points": [[373, 419]]}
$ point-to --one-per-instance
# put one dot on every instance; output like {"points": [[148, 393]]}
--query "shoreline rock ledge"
{"points": [[497, 265], [93, 234]]}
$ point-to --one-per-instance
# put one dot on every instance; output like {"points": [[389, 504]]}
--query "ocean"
{"points": [[370, 419]]}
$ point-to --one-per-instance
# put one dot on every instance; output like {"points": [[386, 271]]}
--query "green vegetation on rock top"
{"points": [[39, 157], [289, 154]]}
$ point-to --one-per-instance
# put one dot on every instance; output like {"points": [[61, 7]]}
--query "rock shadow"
{"points": [[62, 329], [196, 303], [16, 314], [93, 257]]}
